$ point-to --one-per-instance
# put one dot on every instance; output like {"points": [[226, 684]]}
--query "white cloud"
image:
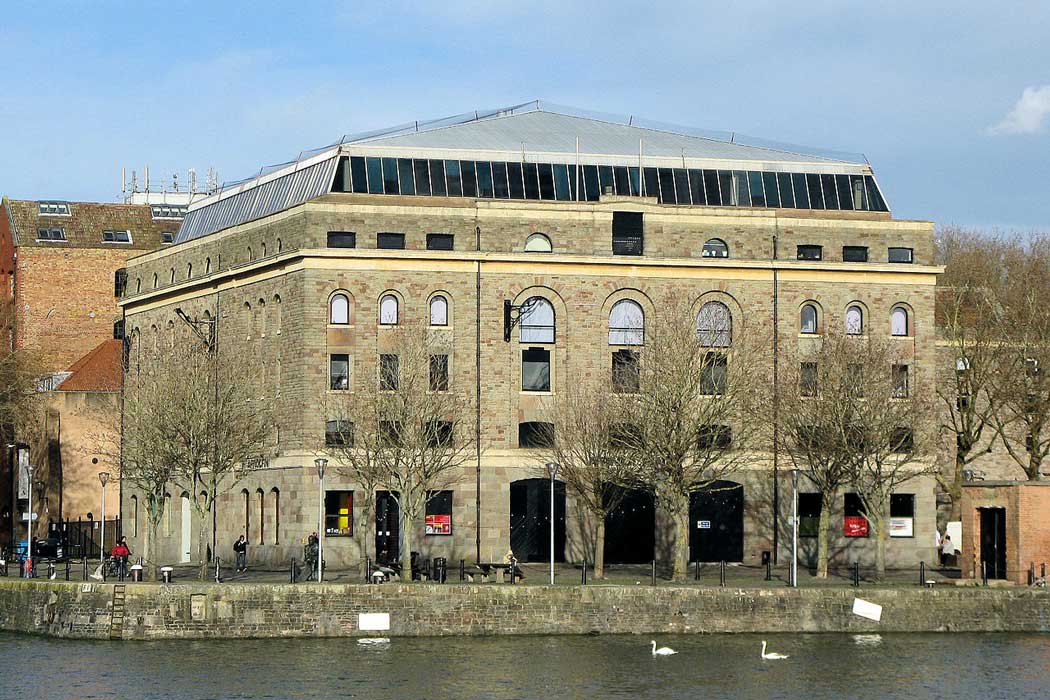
{"points": [[1029, 115]]}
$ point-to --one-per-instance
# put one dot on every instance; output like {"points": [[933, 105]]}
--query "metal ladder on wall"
{"points": [[116, 615]]}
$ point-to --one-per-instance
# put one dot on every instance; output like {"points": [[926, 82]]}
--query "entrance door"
{"points": [[716, 522], [530, 515], [388, 528], [993, 542], [630, 529], [187, 521]]}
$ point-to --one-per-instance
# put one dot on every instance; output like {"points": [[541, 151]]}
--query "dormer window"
{"points": [[114, 236], [167, 238], [54, 208], [51, 234], [168, 211]]}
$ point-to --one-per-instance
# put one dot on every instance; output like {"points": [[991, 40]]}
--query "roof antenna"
{"points": [[630, 119], [732, 137]]}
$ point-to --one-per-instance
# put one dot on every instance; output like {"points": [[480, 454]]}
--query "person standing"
{"points": [[947, 551], [240, 548]]}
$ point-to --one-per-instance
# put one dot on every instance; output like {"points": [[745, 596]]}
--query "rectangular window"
{"points": [[714, 374], [515, 181], [719, 437], [533, 434], [453, 178], [338, 513], [422, 173], [787, 195], [651, 182], [902, 440], [546, 180], [561, 183], [438, 516], [810, 252], [816, 197], [758, 190], [532, 185], [484, 171], [338, 433], [55, 208], [375, 175], [605, 180], [439, 241], [342, 239], [437, 178], [725, 186], [854, 524], [808, 378], [111, 236], [681, 185], [51, 234], [809, 508], [667, 194], [854, 253], [390, 177], [901, 255], [626, 372], [439, 433], [772, 190], [696, 187], [714, 197], [499, 181], [902, 515], [439, 372], [831, 198], [339, 372], [798, 180], [389, 372], [628, 233], [404, 176], [390, 241], [623, 181], [740, 188], [535, 369], [167, 237], [358, 174], [390, 433], [900, 381], [591, 186], [470, 180]]}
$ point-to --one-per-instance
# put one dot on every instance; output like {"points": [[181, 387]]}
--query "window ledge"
{"points": [[536, 393]]}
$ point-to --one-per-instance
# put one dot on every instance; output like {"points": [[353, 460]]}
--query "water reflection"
{"points": [[728, 666]]}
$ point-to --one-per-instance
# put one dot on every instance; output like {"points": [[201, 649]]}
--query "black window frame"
{"points": [[535, 435], [389, 371], [714, 375], [626, 371], [536, 356], [900, 252], [439, 374], [855, 253], [341, 239], [809, 252], [384, 239], [441, 241], [333, 500], [333, 381], [338, 433]]}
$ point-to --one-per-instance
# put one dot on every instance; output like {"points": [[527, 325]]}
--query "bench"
{"points": [[499, 569]]}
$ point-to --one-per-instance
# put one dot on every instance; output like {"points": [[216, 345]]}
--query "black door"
{"points": [[993, 542], [530, 515], [630, 529], [388, 531], [716, 522]]}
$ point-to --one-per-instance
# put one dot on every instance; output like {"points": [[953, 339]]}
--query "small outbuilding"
{"points": [[1006, 530]]}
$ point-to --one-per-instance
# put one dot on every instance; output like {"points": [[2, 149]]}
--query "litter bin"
{"points": [[136, 573], [440, 569], [165, 574]]}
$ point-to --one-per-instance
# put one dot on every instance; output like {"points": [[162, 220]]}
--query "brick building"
{"points": [[1006, 534], [305, 266]]}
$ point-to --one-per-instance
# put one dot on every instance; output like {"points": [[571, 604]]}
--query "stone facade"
{"points": [[269, 282]]}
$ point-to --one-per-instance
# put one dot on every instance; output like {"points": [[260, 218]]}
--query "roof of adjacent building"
{"points": [[85, 223], [99, 370]]}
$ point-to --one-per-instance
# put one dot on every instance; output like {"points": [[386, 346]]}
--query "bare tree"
{"points": [[588, 440], [969, 324], [696, 416], [407, 428], [20, 372], [891, 430]]}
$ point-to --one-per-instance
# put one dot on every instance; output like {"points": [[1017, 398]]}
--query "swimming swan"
{"points": [[772, 654], [662, 651]]}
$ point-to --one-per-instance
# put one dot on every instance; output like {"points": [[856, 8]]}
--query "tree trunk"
{"points": [[363, 526], [202, 544], [148, 543], [823, 535], [599, 547], [680, 558], [880, 546], [956, 488], [407, 537]]}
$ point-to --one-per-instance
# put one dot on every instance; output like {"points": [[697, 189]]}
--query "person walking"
{"points": [[240, 548]]}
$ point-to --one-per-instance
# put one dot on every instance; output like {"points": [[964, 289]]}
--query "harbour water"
{"points": [[906, 666]]}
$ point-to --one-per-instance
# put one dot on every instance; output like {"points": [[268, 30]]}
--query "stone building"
{"points": [[305, 268]]}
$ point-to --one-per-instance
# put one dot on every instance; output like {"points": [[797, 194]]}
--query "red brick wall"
{"points": [[1027, 527]]}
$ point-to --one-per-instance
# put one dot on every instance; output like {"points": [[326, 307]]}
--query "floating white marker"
{"points": [[863, 608], [373, 622]]}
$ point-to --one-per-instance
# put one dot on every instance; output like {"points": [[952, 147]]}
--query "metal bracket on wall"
{"points": [[512, 315]]}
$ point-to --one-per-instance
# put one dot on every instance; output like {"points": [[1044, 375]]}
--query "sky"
{"points": [[949, 101]]}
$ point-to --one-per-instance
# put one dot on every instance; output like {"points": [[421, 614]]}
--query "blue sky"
{"points": [[950, 101]]}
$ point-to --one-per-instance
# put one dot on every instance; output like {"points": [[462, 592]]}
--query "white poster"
{"points": [[373, 622], [23, 472], [902, 527], [864, 608]]}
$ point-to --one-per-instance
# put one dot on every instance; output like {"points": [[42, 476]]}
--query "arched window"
{"points": [[247, 513], [538, 243], [251, 256], [134, 516], [439, 311], [250, 322], [899, 321], [276, 493], [276, 314], [280, 246], [261, 313], [808, 319], [854, 321], [626, 323], [714, 325], [138, 285], [264, 249], [207, 266], [388, 311], [716, 248], [339, 310], [260, 497], [189, 270], [537, 321], [172, 276], [154, 280]]}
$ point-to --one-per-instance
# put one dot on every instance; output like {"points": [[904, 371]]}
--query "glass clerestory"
{"points": [[559, 182]]}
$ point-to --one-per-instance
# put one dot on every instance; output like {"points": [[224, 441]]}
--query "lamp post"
{"points": [[794, 528], [320, 463], [103, 478], [552, 470], [29, 531]]}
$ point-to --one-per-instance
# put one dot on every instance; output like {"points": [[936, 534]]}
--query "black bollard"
{"points": [[102, 563], [769, 570], [583, 573], [67, 569], [654, 572], [922, 573], [291, 571], [1042, 572], [856, 574], [984, 573], [696, 570], [722, 574], [1031, 573], [462, 569], [84, 562]]}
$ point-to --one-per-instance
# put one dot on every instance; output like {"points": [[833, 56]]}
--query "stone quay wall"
{"points": [[191, 611]]}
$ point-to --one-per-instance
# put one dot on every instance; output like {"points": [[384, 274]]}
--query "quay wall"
{"points": [[204, 611]]}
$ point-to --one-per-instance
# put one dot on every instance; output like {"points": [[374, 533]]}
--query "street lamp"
{"points": [[29, 541], [794, 528], [103, 478], [552, 470], [320, 463]]}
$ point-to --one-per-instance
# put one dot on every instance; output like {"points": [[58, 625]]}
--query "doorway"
{"points": [[716, 522], [187, 521], [630, 528], [388, 528], [530, 515], [993, 542]]}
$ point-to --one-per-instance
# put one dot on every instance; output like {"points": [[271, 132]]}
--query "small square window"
{"points": [[439, 372], [901, 255], [390, 241], [535, 369], [439, 433], [854, 253], [167, 237], [54, 208], [626, 372], [342, 239], [51, 234], [810, 252], [534, 434], [718, 437], [440, 241], [339, 433], [114, 236], [339, 372], [338, 513]]}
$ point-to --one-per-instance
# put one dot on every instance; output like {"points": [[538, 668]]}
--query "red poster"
{"points": [[439, 525], [855, 526]]}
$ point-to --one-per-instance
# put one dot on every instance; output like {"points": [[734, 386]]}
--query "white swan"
{"points": [[373, 640], [772, 654], [662, 651]]}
